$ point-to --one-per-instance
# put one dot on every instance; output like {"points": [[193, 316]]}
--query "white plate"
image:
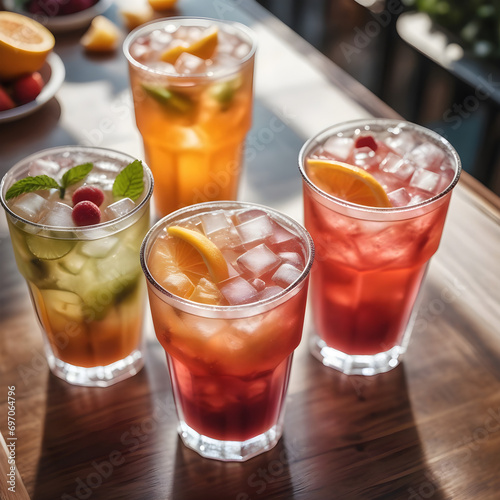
{"points": [[59, 24], [53, 73]]}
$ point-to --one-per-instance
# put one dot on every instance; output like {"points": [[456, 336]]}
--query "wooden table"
{"points": [[428, 429]]}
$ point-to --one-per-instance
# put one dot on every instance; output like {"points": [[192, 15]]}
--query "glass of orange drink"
{"points": [[376, 194], [192, 84]]}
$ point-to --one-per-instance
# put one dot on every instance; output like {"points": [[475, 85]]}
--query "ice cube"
{"points": [[73, 263], [270, 291], [258, 284], [226, 238], [59, 214], [119, 208], [292, 258], [427, 156], [425, 180], [399, 198], [286, 275], [339, 147], [214, 221], [139, 51], [402, 143], [255, 230], [280, 234], [416, 199], [159, 39], [178, 284], [206, 292], [98, 248], [44, 167], [249, 214], [394, 164], [259, 260], [187, 64], [241, 50], [365, 157], [30, 206], [237, 291]]}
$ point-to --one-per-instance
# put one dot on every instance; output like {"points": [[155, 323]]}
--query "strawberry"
{"points": [[366, 141], [86, 213], [5, 101], [27, 88], [89, 193]]}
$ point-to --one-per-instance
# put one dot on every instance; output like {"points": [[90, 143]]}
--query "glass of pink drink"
{"points": [[230, 344], [371, 261]]}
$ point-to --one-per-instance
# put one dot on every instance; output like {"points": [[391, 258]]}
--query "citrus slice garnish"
{"points": [[347, 182], [162, 4], [203, 48], [48, 248], [24, 45], [102, 36], [207, 250]]}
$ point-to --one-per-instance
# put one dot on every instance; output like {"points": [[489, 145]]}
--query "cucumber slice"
{"points": [[168, 98], [223, 92], [48, 248]]}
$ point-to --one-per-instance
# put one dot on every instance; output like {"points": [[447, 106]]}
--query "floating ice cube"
{"points": [[286, 275], [425, 180], [193, 33], [365, 157], [255, 230], [214, 221], [187, 64], [270, 291], [59, 214], [44, 167], [119, 208], [394, 164], [106, 166], [30, 206], [139, 51], [98, 248], [241, 50], [399, 198], [280, 234], [237, 291], [259, 260], [339, 147], [258, 284], [206, 292], [226, 238], [292, 258], [249, 214], [73, 263], [427, 156], [402, 143], [178, 284], [416, 199], [159, 39]]}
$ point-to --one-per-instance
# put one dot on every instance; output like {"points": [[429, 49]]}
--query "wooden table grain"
{"points": [[430, 429]]}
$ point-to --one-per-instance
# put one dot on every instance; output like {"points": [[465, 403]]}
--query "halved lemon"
{"points": [[207, 250], [24, 45], [203, 48], [347, 182], [102, 36]]}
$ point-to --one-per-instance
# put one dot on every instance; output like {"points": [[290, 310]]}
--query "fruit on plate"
{"points": [[136, 15], [102, 36], [162, 4], [5, 100], [53, 8], [24, 45], [27, 88]]}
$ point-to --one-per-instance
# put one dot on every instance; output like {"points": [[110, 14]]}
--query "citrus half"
{"points": [[203, 48]]}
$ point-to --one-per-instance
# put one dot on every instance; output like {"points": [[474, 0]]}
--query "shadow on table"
{"points": [[356, 435]]}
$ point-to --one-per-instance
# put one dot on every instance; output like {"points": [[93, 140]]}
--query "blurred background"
{"points": [[436, 62]]}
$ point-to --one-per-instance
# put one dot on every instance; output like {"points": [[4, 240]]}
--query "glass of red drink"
{"points": [[229, 346], [371, 260]]}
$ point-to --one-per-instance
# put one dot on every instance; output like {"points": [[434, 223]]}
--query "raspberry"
{"points": [[86, 213], [366, 141], [88, 193]]}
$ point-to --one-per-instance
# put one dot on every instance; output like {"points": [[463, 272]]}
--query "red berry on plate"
{"points": [[366, 141], [86, 213], [88, 193], [27, 88], [5, 101]]}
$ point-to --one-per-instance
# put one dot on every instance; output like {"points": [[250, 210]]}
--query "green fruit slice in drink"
{"points": [[48, 248]]}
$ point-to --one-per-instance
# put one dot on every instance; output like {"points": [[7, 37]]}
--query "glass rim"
{"points": [[134, 34], [385, 122], [198, 306], [65, 229]]}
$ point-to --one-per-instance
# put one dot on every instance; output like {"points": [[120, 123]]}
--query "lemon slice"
{"points": [[211, 255], [102, 36], [162, 4], [203, 48], [347, 182], [24, 45], [48, 248]]}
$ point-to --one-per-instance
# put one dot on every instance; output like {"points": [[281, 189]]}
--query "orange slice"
{"points": [[204, 47], [347, 182], [162, 4], [102, 36], [24, 45]]}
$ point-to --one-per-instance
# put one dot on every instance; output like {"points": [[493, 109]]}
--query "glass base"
{"points": [[229, 451], [99, 376], [352, 364]]}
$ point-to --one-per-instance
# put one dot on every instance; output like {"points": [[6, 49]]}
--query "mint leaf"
{"points": [[74, 175], [168, 98], [129, 182], [30, 184]]}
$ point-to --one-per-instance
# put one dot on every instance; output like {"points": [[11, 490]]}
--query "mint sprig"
{"points": [[129, 183], [39, 182]]}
